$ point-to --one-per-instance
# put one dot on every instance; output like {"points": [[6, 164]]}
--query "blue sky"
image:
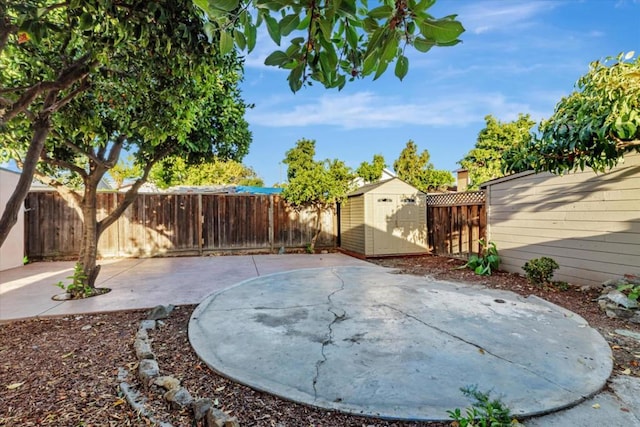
{"points": [[516, 57]]}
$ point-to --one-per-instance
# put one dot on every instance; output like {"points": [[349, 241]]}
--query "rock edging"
{"points": [[177, 396]]}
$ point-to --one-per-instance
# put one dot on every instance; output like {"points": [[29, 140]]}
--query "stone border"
{"points": [[177, 396]]}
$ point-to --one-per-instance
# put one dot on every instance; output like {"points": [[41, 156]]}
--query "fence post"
{"points": [[271, 232], [199, 224]]}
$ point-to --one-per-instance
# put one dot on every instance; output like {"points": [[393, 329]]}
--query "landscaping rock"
{"points": [[619, 298], [218, 418], [160, 312], [167, 382], [147, 370], [615, 303], [143, 349], [178, 397], [142, 334], [200, 408], [628, 333], [146, 325]]}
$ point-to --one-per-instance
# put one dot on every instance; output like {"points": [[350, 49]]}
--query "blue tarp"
{"points": [[257, 190]]}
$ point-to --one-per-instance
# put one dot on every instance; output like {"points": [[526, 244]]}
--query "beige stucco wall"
{"points": [[12, 249], [589, 223]]}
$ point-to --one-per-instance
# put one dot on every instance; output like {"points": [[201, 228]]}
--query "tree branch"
{"points": [[131, 194], [76, 71], [64, 165], [89, 153], [6, 29], [73, 198], [84, 85]]}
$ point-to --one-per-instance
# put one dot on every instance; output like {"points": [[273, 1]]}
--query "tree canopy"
{"points": [[417, 170], [315, 184], [593, 127], [371, 172], [176, 171], [484, 161], [171, 93], [335, 41]]}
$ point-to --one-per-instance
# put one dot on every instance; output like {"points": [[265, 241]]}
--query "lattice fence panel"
{"points": [[456, 199]]}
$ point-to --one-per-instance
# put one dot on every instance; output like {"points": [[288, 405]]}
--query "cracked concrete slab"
{"points": [[366, 341]]}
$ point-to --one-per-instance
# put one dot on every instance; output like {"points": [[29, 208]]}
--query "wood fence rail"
{"points": [[456, 222], [174, 224]]}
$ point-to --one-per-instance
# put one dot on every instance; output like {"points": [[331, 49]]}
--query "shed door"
{"points": [[397, 224], [385, 207]]}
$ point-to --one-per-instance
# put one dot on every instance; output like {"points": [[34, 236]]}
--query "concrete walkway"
{"points": [[144, 283], [26, 292]]}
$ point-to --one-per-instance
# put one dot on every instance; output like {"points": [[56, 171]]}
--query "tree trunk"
{"points": [[90, 234], [41, 128], [318, 229]]}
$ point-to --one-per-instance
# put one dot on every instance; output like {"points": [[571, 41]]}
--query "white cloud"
{"points": [[366, 110], [489, 16]]}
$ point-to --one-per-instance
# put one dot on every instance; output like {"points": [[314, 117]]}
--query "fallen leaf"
{"points": [[596, 406], [219, 389], [616, 347], [64, 356], [626, 371], [118, 402], [14, 386]]}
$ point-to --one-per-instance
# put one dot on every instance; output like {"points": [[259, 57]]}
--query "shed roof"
{"points": [[375, 185]]}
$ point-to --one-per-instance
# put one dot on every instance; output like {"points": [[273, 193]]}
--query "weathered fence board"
{"points": [[174, 224], [456, 222]]}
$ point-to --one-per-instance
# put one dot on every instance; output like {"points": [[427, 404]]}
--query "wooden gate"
{"points": [[456, 222]]}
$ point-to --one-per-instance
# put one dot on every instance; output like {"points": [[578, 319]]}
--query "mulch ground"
{"points": [[63, 371]]}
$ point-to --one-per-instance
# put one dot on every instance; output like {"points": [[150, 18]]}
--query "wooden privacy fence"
{"points": [[174, 224], [455, 223]]}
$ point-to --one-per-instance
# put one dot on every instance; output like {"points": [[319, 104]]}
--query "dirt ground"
{"points": [[63, 371]]}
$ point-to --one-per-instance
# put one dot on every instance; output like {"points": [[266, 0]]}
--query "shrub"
{"points": [[540, 270], [632, 291], [485, 263], [484, 412]]}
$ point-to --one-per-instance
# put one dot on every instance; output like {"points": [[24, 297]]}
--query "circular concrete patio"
{"points": [[368, 341]]}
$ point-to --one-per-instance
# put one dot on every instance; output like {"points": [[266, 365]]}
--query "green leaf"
{"points": [[288, 24], [277, 58], [240, 39], [202, 4], [250, 36], [422, 45], [225, 5], [370, 25], [402, 67], [391, 48], [352, 37], [382, 67], [86, 20], [325, 28], [440, 30], [226, 42], [209, 30], [381, 12], [273, 28]]}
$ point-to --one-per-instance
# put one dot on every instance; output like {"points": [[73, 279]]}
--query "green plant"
{"points": [[484, 412], [485, 263], [25, 260], [309, 249], [634, 291], [540, 270], [78, 288]]}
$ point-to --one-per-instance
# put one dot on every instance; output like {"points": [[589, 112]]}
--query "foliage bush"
{"points": [[540, 270], [78, 287], [485, 263], [484, 412], [632, 291]]}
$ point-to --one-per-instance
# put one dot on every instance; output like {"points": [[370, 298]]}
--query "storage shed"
{"points": [[384, 218]]}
